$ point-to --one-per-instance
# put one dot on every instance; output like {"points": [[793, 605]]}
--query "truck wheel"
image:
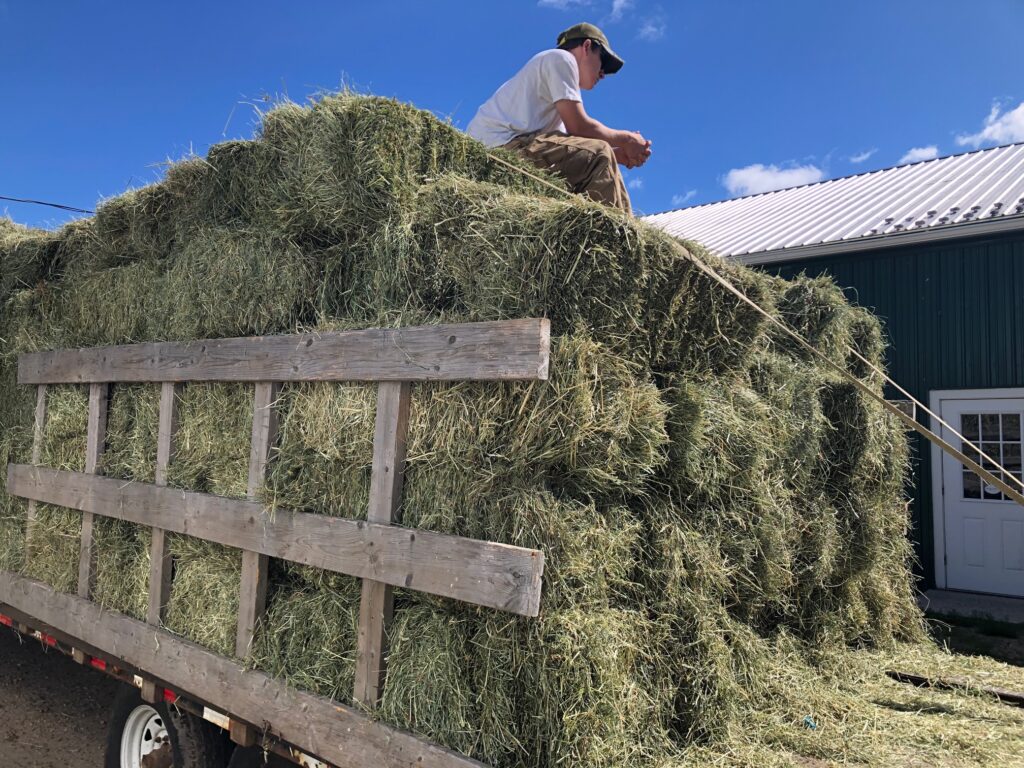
{"points": [[143, 735]]}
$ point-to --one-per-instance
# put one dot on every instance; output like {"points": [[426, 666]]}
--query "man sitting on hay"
{"points": [[539, 113]]}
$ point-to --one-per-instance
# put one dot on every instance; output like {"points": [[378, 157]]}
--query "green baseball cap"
{"points": [[611, 62]]}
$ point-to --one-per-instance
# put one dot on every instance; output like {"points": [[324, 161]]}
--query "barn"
{"points": [[935, 249]]}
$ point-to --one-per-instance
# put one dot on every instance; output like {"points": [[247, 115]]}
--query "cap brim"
{"points": [[612, 62]]}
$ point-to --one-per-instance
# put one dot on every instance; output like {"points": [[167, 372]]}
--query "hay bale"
{"points": [[220, 283], [595, 429], [122, 566], [430, 688], [817, 310], [212, 442], [53, 544], [26, 256], [205, 593], [595, 692], [486, 252], [350, 163], [690, 585], [309, 636], [575, 687], [123, 549]]}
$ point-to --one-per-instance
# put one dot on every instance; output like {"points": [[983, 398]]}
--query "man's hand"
{"points": [[633, 150]]}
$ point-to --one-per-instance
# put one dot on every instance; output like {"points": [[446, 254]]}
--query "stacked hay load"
{"points": [[711, 500]]}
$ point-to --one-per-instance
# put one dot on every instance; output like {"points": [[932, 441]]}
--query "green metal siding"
{"points": [[954, 314]]}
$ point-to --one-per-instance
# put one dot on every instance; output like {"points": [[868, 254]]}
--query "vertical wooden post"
{"points": [[159, 553], [95, 443], [37, 451], [375, 609], [252, 597]]}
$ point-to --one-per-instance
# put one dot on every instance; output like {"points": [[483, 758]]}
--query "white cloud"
{"points": [[635, 183], [678, 201], [562, 5], [862, 156], [917, 154], [758, 178], [652, 29], [1006, 128], [619, 7]]}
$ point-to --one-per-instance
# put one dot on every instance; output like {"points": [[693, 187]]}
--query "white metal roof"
{"points": [[973, 193]]}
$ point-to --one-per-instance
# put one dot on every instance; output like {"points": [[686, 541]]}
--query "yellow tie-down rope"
{"points": [[910, 421]]}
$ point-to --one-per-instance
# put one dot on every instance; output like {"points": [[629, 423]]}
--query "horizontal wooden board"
{"points": [[500, 350], [479, 572], [323, 728]]}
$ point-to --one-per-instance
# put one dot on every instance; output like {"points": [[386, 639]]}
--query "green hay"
{"points": [[133, 424], [596, 695], [221, 282], [691, 586], [309, 637], [26, 256], [212, 441], [350, 163], [715, 506], [54, 538], [12, 534], [122, 566], [429, 686], [123, 549], [816, 309], [204, 593], [486, 253], [595, 429], [575, 687]]}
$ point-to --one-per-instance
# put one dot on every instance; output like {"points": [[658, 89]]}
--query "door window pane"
{"points": [[990, 426], [972, 486], [1011, 426], [989, 491], [970, 453], [992, 451], [969, 426], [1011, 457]]}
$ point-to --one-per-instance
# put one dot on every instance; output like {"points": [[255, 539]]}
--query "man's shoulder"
{"points": [[552, 56]]}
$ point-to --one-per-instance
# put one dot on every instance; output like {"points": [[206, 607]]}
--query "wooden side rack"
{"points": [[379, 551]]}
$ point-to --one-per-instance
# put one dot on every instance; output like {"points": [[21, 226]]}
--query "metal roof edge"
{"points": [[914, 237], [822, 182]]}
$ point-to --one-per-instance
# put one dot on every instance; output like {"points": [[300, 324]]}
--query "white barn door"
{"points": [[982, 531]]}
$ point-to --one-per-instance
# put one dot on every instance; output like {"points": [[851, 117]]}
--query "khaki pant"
{"points": [[587, 164]]}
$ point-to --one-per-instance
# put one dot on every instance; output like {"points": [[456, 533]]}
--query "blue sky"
{"points": [[737, 96]]}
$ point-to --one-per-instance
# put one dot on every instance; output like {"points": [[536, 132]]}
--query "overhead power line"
{"points": [[43, 202]]}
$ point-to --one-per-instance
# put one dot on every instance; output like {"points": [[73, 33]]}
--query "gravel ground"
{"points": [[53, 712]]}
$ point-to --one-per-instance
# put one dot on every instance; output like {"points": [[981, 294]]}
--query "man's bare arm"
{"points": [[632, 149]]}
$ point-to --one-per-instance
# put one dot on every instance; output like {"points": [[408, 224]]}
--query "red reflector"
{"points": [[170, 696], [98, 663], [7, 621], [48, 639]]}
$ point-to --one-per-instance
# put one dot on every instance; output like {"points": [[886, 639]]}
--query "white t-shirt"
{"points": [[526, 103]]}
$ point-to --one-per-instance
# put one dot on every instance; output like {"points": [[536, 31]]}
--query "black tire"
{"points": [[194, 743]]}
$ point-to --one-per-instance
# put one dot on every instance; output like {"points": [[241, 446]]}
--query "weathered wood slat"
{"points": [[159, 551], [37, 451], [377, 602], [1005, 695], [483, 573], [253, 593], [325, 729], [506, 349], [95, 442]]}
